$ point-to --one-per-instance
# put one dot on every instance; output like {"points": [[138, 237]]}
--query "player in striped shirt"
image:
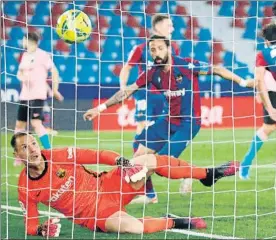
{"points": [[57, 178], [33, 72], [266, 77], [149, 103]]}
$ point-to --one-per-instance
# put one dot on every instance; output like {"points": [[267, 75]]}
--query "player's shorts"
{"points": [[113, 196], [32, 109], [148, 106], [168, 139], [267, 119]]}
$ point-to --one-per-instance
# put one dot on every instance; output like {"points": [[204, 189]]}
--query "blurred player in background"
{"points": [[266, 78], [32, 73], [47, 114], [149, 103], [57, 178]]}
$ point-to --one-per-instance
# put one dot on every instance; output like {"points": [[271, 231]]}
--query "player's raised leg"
{"points": [[175, 168], [256, 144]]}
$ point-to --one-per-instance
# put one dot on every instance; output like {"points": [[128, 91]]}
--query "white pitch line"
{"points": [[18, 209], [184, 232], [197, 234]]}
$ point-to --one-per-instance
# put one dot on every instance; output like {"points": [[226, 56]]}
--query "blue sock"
{"points": [[45, 141], [149, 188], [255, 146]]}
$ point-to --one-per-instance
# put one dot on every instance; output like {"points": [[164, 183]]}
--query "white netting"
{"points": [[219, 32]]}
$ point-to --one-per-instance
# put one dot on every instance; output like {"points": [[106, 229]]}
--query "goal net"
{"points": [[224, 33]]}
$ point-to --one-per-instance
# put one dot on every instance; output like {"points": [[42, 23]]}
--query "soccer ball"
{"points": [[74, 26]]}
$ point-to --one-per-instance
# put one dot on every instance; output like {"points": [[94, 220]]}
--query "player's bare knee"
{"points": [[20, 125], [269, 128], [123, 223], [142, 150], [148, 160], [36, 123]]}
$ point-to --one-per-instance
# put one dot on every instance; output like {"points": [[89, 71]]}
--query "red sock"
{"points": [[152, 225], [174, 168]]}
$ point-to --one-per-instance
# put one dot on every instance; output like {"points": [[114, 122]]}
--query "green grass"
{"points": [[245, 209]]}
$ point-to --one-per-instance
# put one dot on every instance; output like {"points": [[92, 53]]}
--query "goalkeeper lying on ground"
{"points": [[57, 178]]}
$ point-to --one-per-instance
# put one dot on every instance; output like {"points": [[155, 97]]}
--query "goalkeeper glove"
{"points": [[130, 172], [50, 228]]}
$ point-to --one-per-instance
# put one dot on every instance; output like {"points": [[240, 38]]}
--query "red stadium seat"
{"points": [[242, 4], [191, 34], [53, 20], [268, 12], [58, 9], [240, 12], [143, 32], [122, 6], [192, 22], [93, 45], [238, 22], [4, 34], [181, 10], [8, 22], [266, 21], [117, 69], [216, 59], [21, 21], [214, 2], [29, 6], [62, 46], [132, 21], [89, 10], [103, 21], [152, 7], [217, 46]]}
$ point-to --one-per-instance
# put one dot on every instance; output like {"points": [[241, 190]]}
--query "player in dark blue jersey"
{"points": [[266, 79], [149, 103], [177, 79]]}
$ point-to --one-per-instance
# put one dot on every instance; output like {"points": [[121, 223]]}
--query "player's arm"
{"points": [[91, 156], [134, 58], [50, 228], [20, 75], [226, 74], [55, 77], [55, 83], [120, 96], [124, 75], [260, 73]]}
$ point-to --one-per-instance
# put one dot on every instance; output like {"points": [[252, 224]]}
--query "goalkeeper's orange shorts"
{"points": [[114, 195]]}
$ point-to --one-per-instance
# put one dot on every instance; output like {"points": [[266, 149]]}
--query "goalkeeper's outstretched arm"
{"points": [[50, 228]]}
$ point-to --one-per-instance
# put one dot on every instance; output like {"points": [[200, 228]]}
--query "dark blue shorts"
{"points": [[168, 139], [149, 106]]}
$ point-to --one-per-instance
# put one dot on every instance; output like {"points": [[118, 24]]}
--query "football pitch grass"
{"points": [[232, 208]]}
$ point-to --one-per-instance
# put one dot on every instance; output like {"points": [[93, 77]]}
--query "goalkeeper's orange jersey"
{"points": [[65, 185]]}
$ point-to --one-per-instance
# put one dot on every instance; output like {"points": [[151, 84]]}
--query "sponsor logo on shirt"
{"points": [[177, 93], [61, 173], [64, 188]]}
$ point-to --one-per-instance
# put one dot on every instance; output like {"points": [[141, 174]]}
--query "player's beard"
{"points": [[161, 61]]}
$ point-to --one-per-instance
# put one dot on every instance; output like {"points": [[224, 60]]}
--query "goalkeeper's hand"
{"points": [[50, 228], [130, 172]]}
